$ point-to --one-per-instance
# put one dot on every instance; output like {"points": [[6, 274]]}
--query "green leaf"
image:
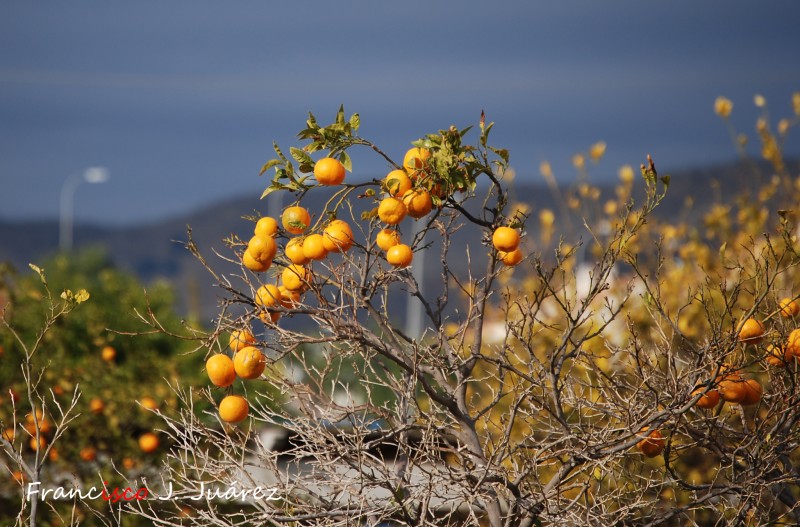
{"points": [[269, 190], [312, 121], [392, 185], [269, 164], [355, 122], [300, 156], [340, 115], [502, 152], [346, 161], [278, 151]]}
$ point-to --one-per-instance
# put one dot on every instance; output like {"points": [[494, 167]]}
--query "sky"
{"points": [[182, 100]]}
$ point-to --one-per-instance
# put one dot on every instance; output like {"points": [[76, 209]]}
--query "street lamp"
{"points": [[90, 175]]}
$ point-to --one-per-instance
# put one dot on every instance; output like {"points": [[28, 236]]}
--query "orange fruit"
{"points": [[148, 403], [233, 409], [289, 298], [391, 210], [108, 353], [789, 308], [752, 392], [418, 202], [148, 442], [41, 420], [262, 248], [752, 331], [266, 226], [220, 370], [732, 388], [400, 255], [296, 220], [253, 264], [653, 444], [416, 159], [329, 171], [241, 338], [270, 317], [793, 343], [294, 252], [88, 453], [505, 239], [314, 247], [778, 355], [36, 445], [96, 405], [708, 400], [9, 434], [337, 236], [510, 258], [397, 183], [249, 363], [268, 296], [387, 238], [53, 455], [296, 277], [128, 463]]}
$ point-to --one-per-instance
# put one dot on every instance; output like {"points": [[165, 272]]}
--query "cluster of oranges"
{"points": [[408, 191], [248, 363], [731, 385]]}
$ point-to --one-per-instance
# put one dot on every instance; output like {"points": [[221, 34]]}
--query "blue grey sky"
{"points": [[181, 100]]}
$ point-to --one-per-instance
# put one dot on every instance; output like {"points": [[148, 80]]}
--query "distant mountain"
{"points": [[157, 250]]}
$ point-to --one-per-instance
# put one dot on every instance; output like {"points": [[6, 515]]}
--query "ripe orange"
{"points": [[249, 363], [416, 159], [510, 258], [289, 299], [220, 370], [96, 405], [418, 202], [266, 226], [268, 296], [314, 247], [708, 400], [270, 317], [397, 183], [262, 248], [36, 445], [387, 238], [752, 331], [88, 453], [294, 252], [241, 338], [337, 236], [253, 264], [789, 308], [233, 409], [505, 239], [9, 434], [295, 220], [779, 356], [108, 353], [148, 403], [793, 344], [732, 388], [41, 419], [148, 442], [296, 277], [128, 463], [400, 255], [391, 210], [329, 171], [653, 444], [752, 392]]}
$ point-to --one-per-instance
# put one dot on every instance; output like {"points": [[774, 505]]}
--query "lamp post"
{"points": [[90, 175]]}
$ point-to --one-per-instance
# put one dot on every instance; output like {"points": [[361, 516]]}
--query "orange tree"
{"points": [[96, 391], [626, 388]]}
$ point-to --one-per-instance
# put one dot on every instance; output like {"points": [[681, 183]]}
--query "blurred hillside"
{"points": [[156, 251]]}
